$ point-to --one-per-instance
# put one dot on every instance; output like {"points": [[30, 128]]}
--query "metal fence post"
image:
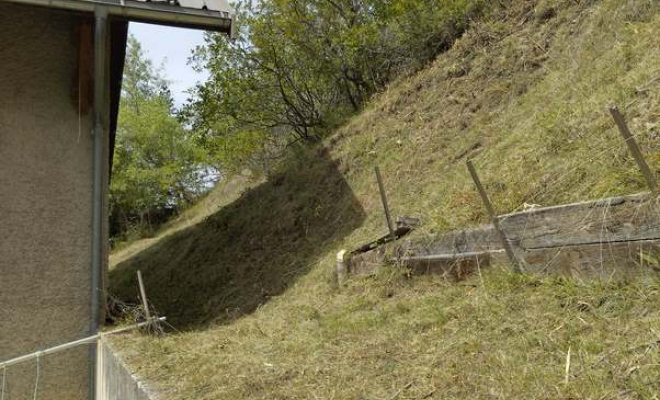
{"points": [[383, 198], [494, 218], [634, 148]]}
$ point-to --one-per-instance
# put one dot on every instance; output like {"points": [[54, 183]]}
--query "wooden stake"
{"points": [[634, 148], [383, 198], [494, 218], [143, 295], [341, 270]]}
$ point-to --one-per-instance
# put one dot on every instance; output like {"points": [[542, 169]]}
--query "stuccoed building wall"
{"points": [[45, 202]]}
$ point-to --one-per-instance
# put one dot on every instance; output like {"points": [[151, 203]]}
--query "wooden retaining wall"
{"points": [[612, 237]]}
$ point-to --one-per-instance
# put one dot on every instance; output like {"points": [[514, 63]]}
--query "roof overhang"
{"points": [[211, 15], [220, 19]]}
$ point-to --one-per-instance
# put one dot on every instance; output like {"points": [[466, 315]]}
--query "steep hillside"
{"points": [[222, 194], [523, 92], [524, 96], [248, 251]]}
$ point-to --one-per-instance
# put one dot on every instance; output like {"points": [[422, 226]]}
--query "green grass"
{"points": [[502, 337], [533, 95], [247, 252], [523, 92], [225, 192]]}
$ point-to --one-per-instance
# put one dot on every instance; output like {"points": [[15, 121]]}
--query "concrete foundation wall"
{"points": [[115, 382], [45, 202]]}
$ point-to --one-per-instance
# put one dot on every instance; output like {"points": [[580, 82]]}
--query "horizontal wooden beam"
{"points": [[616, 219], [450, 256], [609, 260], [616, 236], [454, 266], [618, 260], [480, 239]]}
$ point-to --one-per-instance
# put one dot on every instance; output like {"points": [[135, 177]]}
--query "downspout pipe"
{"points": [[98, 133]]}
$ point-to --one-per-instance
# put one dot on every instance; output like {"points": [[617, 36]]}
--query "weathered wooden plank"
{"points": [[447, 256], [450, 266], [454, 267], [618, 237], [625, 218], [366, 263], [370, 257], [464, 241], [619, 260], [606, 260]]}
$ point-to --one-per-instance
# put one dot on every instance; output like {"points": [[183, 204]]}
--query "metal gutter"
{"points": [[98, 162], [219, 21]]}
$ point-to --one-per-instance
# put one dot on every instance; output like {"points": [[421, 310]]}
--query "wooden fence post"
{"points": [[341, 270], [494, 218], [143, 295], [634, 148], [383, 198]]}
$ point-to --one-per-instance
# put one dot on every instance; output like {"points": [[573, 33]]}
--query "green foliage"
{"points": [[300, 67], [523, 94], [157, 166]]}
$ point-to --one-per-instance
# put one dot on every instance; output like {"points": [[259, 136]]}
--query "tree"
{"points": [[157, 168], [298, 68]]}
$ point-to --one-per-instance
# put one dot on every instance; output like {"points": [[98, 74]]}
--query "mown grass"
{"points": [[502, 337], [225, 192], [247, 252], [523, 92]]}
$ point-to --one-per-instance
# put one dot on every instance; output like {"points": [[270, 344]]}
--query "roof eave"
{"points": [[219, 21]]}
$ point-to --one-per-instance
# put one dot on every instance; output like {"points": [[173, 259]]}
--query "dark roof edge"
{"points": [[118, 37], [219, 21]]}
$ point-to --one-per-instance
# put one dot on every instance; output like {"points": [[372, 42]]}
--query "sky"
{"points": [[171, 47]]}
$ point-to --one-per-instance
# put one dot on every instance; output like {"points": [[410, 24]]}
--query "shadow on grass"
{"points": [[229, 264]]}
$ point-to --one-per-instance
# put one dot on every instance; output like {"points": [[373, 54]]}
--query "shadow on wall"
{"points": [[251, 250]]}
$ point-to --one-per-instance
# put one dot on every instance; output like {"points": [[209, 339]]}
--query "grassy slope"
{"points": [[224, 193], [524, 92]]}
